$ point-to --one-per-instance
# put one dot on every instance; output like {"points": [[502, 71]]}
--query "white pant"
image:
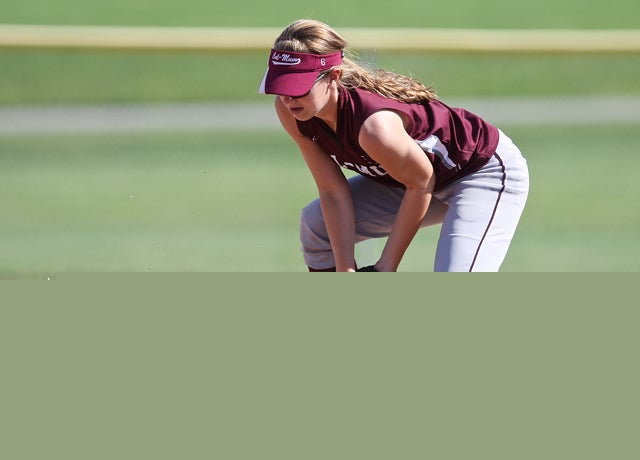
{"points": [[479, 215]]}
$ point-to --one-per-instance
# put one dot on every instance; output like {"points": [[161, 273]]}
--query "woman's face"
{"points": [[316, 103]]}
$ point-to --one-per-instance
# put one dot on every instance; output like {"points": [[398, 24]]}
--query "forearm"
{"points": [[340, 223], [407, 223]]}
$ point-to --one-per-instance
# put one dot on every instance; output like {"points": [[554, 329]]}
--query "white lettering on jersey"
{"points": [[371, 170], [432, 144]]}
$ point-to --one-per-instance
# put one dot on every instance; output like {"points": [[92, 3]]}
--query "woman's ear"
{"points": [[334, 76]]}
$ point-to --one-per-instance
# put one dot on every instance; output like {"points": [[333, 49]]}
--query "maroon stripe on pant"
{"points": [[495, 209]]}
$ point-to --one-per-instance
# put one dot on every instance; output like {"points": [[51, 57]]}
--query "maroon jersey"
{"points": [[456, 141]]}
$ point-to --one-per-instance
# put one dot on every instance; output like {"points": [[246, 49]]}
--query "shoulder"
{"points": [[367, 106], [382, 121], [383, 127], [362, 100]]}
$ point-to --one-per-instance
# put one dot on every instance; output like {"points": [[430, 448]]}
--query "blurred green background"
{"points": [[221, 200]]}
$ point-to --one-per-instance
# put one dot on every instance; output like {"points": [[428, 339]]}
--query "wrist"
{"points": [[385, 266]]}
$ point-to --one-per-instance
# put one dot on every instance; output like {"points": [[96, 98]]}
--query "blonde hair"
{"points": [[315, 37]]}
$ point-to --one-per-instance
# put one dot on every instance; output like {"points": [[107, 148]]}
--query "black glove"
{"points": [[368, 268]]}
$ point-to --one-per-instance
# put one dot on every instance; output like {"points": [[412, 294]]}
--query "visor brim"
{"points": [[292, 84]]}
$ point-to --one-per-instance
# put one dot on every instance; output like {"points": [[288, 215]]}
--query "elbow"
{"points": [[421, 185], [424, 187]]}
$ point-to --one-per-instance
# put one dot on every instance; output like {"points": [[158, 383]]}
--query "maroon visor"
{"points": [[293, 74]]}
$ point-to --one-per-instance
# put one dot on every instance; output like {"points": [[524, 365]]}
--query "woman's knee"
{"points": [[316, 247], [311, 216], [313, 232]]}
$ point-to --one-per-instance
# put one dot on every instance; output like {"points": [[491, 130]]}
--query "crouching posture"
{"points": [[419, 161]]}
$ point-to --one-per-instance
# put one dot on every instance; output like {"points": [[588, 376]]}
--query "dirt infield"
{"points": [[202, 117]]}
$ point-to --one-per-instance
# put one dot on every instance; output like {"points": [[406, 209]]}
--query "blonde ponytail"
{"points": [[384, 83]]}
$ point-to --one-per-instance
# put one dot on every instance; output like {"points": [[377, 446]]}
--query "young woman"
{"points": [[420, 162]]}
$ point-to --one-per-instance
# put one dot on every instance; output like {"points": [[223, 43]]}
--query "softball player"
{"points": [[419, 161]]}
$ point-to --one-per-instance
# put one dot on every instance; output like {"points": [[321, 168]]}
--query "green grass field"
{"points": [[217, 201], [401, 13], [71, 77], [103, 78], [214, 202]]}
